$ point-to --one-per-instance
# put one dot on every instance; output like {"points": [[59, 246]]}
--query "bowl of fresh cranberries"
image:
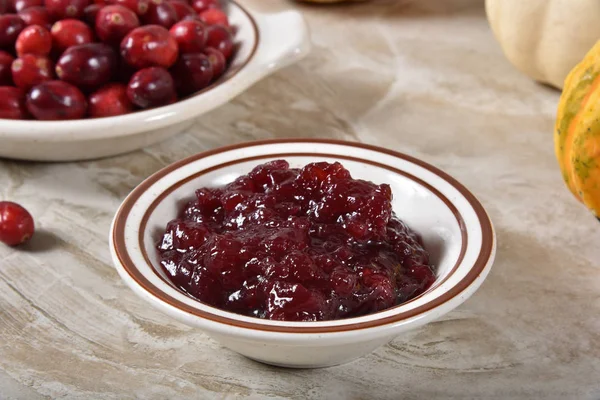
{"points": [[82, 79], [302, 253]]}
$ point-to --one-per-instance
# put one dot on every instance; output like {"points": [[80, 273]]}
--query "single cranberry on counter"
{"points": [[109, 101], [12, 103], [70, 32], [10, 27], [34, 39], [160, 12], [61, 9], [190, 36], [20, 5], [149, 46], [56, 100], [202, 5], [87, 65], [16, 224], [36, 16], [214, 16], [90, 12], [30, 70], [217, 61], [220, 38], [192, 72], [114, 22], [139, 7], [6, 61], [151, 87], [182, 9]]}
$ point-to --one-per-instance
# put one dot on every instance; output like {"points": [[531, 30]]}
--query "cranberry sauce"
{"points": [[306, 244]]}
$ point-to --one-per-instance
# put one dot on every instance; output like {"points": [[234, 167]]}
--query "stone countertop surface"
{"points": [[422, 77]]}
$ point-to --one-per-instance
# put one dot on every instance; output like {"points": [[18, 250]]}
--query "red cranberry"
{"points": [[12, 103], [217, 61], [109, 101], [30, 70], [6, 61], [56, 100], [190, 36], [61, 9], [114, 22], [139, 7], [214, 16], [160, 12], [10, 27], [220, 38], [16, 224], [182, 9], [202, 5], [87, 65], [20, 5], [90, 12], [71, 32], [34, 39], [149, 46], [36, 16], [192, 72], [151, 87]]}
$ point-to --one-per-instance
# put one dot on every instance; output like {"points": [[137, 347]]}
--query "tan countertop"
{"points": [[423, 77]]}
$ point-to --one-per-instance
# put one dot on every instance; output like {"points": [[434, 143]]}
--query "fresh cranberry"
{"points": [[71, 32], [36, 16], [149, 46], [56, 100], [182, 9], [109, 101], [12, 103], [87, 65], [151, 87], [16, 224], [139, 7], [30, 70], [192, 72], [20, 5], [190, 36], [114, 22], [160, 12], [34, 39], [61, 9], [90, 13], [10, 27], [202, 5], [220, 38], [6, 61], [217, 61], [214, 16]]}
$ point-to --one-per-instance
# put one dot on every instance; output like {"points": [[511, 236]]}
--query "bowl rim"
{"points": [[486, 250], [151, 114]]}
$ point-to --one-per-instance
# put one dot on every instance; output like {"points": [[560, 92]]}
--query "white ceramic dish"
{"points": [[455, 228], [267, 42]]}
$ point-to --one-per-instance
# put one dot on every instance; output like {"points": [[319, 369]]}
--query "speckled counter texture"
{"points": [[423, 77]]}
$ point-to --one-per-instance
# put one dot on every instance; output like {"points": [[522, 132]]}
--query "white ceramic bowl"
{"points": [[266, 42], [455, 228]]}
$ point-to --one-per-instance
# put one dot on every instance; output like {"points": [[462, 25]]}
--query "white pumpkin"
{"points": [[545, 39]]}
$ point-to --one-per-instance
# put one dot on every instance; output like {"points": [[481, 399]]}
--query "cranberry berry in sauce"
{"points": [[306, 244]]}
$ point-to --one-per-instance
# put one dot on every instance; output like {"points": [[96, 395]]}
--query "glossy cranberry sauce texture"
{"points": [[308, 244]]}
